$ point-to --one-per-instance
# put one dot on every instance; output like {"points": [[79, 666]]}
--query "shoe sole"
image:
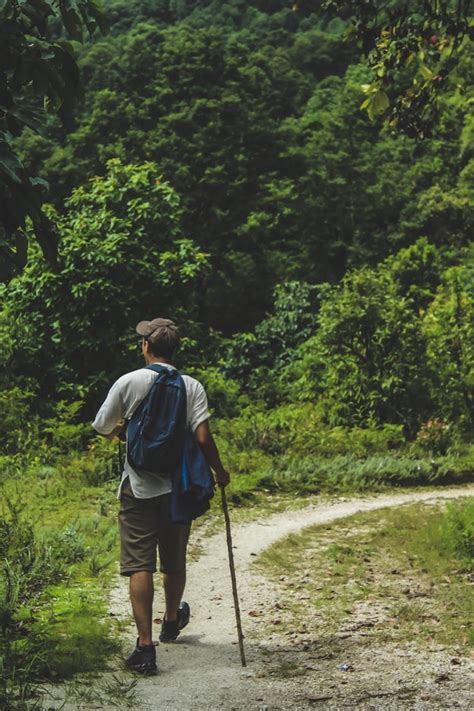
{"points": [[142, 670]]}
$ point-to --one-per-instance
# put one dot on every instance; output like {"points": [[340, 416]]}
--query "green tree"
{"points": [[252, 356], [366, 361], [36, 66], [448, 327], [253, 116], [417, 271], [122, 257]]}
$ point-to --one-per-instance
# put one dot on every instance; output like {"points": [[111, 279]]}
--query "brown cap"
{"points": [[158, 327]]}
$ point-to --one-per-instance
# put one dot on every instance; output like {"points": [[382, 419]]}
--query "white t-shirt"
{"points": [[121, 402]]}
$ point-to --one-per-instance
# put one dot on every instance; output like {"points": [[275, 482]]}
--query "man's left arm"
{"points": [[199, 422], [207, 443]]}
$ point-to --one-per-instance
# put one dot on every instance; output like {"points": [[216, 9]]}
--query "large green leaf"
{"points": [[34, 63], [10, 164]]}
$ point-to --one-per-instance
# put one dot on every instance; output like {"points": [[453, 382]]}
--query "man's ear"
{"points": [[146, 346]]}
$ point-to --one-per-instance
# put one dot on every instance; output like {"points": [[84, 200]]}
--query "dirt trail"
{"points": [[202, 670]]}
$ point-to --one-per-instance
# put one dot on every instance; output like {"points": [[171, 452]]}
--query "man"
{"points": [[144, 517]]}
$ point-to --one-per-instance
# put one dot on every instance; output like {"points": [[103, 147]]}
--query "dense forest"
{"points": [[221, 170]]}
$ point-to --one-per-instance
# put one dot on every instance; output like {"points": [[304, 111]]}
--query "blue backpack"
{"points": [[155, 433]]}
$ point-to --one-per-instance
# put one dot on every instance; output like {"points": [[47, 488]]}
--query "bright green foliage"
{"points": [[64, 433], [47, 628], [18, 429], [374, 357], [122, 258], [448, 327], [417, 271], [36, 66], [365, 357], [297, 430], [224, 394]]}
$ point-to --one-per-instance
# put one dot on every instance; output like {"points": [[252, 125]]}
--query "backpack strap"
{"points": [[157, 368]]}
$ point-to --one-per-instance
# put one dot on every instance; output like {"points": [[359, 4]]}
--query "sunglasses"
{"points": [[140, 341]]}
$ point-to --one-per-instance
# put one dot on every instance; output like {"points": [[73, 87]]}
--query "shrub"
{"points": [[448, 327], [121, 250], [434, 436], [18, 427], [47, 629], [251, 357], [65, 433], [299, 428], [27, 566], [224, 394], [102, 462], [457, 530]]}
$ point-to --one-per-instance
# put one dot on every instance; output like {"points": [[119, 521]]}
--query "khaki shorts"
{"points": [[145, 524]]}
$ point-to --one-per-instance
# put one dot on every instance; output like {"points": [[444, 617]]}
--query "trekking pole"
{"points": [[120, 456], [232, 575]]}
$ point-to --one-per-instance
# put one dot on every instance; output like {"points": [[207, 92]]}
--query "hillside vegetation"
{"points": [[221, 172]]}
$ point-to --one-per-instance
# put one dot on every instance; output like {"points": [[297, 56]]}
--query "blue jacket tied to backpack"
{"points": [[193, 483], [158, 442]]}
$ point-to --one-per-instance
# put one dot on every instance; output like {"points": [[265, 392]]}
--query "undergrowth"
{"points": [[58, 533], [57, 545]]}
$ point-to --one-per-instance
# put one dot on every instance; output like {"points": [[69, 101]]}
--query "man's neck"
{"points": [[156, 359]]}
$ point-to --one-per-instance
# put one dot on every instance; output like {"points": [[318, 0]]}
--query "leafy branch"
{"points": [[412, 48], [38, 75]]}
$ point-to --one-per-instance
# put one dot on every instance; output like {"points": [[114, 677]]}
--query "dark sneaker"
{"points": [[170, 630], [142, 659]]}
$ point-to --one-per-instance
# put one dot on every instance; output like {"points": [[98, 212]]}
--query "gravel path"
{"points": [[202, 669]]}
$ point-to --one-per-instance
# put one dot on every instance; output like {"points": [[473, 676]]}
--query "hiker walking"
{"points": [[148, 497]]}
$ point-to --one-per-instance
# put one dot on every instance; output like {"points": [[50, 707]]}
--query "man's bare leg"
{"points": [[173, 584], [141, 596]]}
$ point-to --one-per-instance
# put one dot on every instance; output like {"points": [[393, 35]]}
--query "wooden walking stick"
{"points": [[232, 575]]}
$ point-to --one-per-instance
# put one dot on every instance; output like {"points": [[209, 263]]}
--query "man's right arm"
{"points": [[109, 420], [206, 442]]}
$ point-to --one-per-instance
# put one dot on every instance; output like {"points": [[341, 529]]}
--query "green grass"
{"points": [[404, 573], [59, 544], [346, 473]]}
